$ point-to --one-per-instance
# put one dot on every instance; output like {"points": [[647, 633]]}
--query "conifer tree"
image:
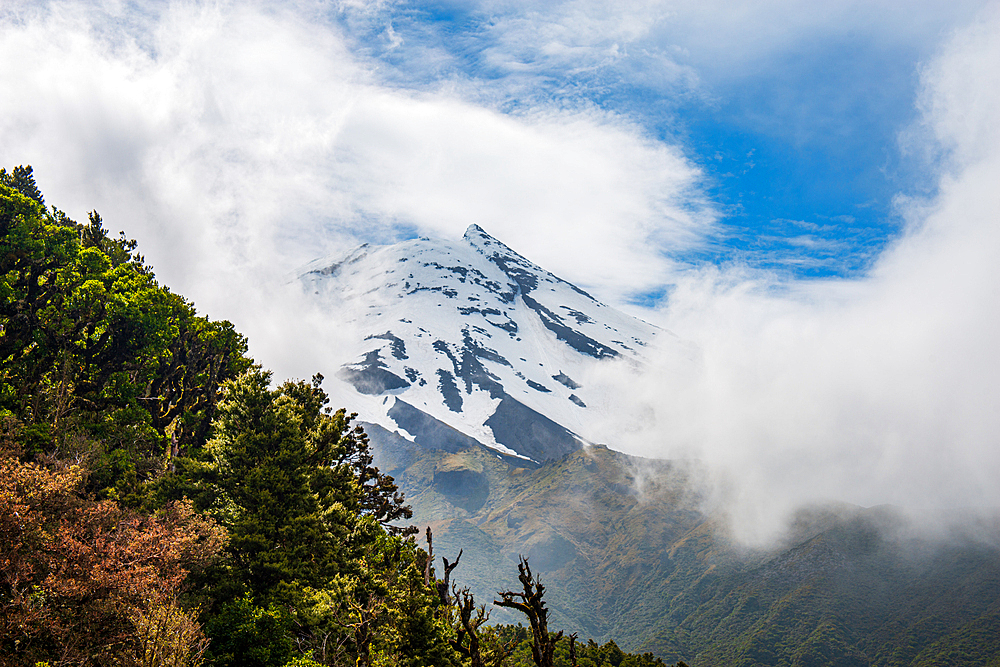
{"points": [[288, 527], [22, 179]]}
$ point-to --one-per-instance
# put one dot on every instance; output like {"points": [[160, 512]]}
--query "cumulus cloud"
{"points": [[878, 390], [237, 141]]}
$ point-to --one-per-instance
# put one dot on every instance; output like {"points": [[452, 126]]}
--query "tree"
{"points": [[91, 580], [291, 480], [135, 419], [22, 180], [247, 635], [311, 521], [417, 634], [78, 331], [479, 648], [91, 343], [529, 602], [167, 636], [88, 342]]}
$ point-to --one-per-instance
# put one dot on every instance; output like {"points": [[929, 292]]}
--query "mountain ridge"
{"points": [[477, 337], [464, 373], [629, 551]]}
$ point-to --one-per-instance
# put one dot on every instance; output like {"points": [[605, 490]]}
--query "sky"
{"points": [[806, 192]]}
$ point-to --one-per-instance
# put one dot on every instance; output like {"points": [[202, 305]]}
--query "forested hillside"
{"points": [[631, 551], [162, 502]]}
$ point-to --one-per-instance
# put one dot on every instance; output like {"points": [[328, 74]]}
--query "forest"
{"points": [[164, 501]]}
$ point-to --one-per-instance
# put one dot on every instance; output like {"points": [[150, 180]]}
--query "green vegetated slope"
{"points": [[858, 592], [626, 553], [160, 502]]}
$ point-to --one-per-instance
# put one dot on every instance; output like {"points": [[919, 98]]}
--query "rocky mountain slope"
{"points": [[472, 335], [472, 373]]}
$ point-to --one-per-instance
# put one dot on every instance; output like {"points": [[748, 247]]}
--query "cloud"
{"points": [[666, 45], [236, 141], [583, 195], [816, 94], [877, 390]]}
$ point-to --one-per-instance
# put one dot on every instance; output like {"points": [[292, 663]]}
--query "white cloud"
{"points": [[532, 48], [581, 194], [881, 390], [237, 141]]}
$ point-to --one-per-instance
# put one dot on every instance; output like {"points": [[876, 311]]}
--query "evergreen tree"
{"points": [[292, 479], [90, 342], [22, 180], [246, 635]]}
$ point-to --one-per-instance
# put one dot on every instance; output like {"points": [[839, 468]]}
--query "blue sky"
{"points": [[776, 136], [799, 145]]}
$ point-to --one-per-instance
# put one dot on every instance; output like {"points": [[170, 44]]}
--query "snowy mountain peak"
{"points": [[473, 337], [490, 247], [474, 232], [522, 272]]}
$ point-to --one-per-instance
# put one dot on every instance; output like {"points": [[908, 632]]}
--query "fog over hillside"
{"points": [[878, 390]]}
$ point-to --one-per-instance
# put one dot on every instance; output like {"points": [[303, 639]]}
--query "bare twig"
{"points": [[530, 603]]}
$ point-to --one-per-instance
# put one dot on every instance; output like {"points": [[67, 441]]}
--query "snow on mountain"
{"points": [[471, 335]]}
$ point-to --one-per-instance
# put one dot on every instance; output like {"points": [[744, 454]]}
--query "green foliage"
{"points": [[310, 525], [165, 413], [303, 661], [588, 654], [417, 634], [22, 180], [292, 483], [91, 344], [850, 595], [973, 643], [246, 635], [77, 331]]}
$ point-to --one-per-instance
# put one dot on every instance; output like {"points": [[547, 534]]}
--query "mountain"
{"points": [[473, 371], [628, 551], [471, 335]]}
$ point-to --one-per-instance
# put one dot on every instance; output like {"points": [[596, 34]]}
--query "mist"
{"points": [[238, 142], [870, 391]]}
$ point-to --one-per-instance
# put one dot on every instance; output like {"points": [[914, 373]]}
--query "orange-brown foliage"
{"points": [[77, 576]]}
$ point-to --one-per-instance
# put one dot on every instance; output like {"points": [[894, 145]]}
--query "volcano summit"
{"points": [[470, 340]]}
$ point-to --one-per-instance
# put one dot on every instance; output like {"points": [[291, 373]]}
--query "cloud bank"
{"points": [[879, 390], [237, 141]]}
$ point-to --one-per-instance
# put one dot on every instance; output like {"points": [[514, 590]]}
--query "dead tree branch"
{"points": [[530, 603], [443, 586]]}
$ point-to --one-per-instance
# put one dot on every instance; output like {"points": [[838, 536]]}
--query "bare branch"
{"points": [[530, 603], [443, 586]]}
